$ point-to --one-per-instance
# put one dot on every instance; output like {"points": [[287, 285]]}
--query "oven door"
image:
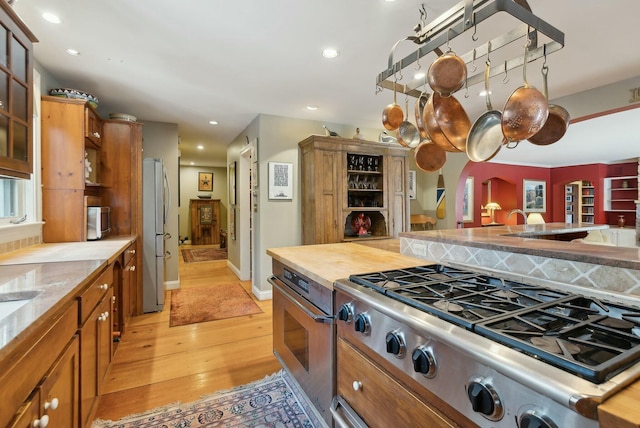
{"points": [[303, 341]]}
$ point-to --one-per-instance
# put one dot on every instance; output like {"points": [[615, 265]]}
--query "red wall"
{"points": [[513, 176]]}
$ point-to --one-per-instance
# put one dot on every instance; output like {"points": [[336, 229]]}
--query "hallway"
{"points": [[156, 364]]}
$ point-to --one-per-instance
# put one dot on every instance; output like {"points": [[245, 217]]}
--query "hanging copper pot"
{"points": [[446, 122], [429, 157], [421, 102], [557, 122], [447, 73], [392, 115]]}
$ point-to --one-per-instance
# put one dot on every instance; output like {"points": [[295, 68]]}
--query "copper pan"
{"points": [[392, 115], [421, 102], [446, 122], [429, 157], [557, 122], [526, 110], [447, 73]]}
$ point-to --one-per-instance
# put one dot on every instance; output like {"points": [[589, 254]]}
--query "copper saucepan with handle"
{"points": [[557, 122], [392, 115], [429, 157], [526, 110], [447, 122]]}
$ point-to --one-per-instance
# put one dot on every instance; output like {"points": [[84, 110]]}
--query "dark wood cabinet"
{"points": [[205, 221]]}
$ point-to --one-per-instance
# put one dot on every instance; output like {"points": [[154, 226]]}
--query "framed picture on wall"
{"points": [[412, 184], [232, 183], [205, 181], [467, 200], [280, 180], [534, 196]]}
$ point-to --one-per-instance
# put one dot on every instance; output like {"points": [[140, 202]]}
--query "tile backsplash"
{"points": [[622, 281], [6, 247]]}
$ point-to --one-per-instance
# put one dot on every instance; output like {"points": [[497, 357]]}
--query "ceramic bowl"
{"points": [[123, 116], [74, 93]]}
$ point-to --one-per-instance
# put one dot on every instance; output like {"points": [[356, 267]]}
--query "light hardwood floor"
{"points": [[155, 364]]}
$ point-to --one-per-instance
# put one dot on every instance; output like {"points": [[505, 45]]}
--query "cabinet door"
{"points": [[398, 200], [29, 412], [59, 391], [92, 127], [95, 354]]}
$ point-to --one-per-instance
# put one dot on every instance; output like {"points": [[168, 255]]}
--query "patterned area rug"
{"points": [[202, 304], [191, 255], [274, 401]]}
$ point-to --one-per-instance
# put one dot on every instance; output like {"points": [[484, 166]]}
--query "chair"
{"points": [[422, 222]]}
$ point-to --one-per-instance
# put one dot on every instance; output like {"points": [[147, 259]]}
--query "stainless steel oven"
{"points": [[304, 334]]}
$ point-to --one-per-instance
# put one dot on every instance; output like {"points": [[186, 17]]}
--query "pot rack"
{"points": [[461, 18]]}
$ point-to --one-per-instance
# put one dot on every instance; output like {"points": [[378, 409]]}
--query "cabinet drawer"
{"points": [[129, 253], [380, 400], [94, 293]]}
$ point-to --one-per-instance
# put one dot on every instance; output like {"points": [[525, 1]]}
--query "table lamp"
{"points": [[492, 207], [535, 218]]}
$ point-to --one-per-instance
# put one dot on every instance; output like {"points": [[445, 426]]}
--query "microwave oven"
{"points": [[98, 222]]}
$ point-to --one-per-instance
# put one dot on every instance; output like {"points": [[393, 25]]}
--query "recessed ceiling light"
{"points": [[419, 76], [330, 53], [192, 163], [200, 147], [484, 93], [312, 108], [213, 122], [50, 17], [72, 52]]}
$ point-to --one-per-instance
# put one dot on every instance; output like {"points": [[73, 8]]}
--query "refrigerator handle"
{"points": [[168, 204]]}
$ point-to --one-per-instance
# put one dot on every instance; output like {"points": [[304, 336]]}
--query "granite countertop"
{"points": [[326, 263], [57, 272], [502, 238]]}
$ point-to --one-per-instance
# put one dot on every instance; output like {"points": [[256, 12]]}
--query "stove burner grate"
{"points": [[585, 336]]}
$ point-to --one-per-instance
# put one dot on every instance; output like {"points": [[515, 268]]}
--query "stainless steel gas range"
{"points": [[478, 350]]}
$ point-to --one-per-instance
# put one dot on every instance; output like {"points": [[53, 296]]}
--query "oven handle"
{"points": [[350, 414], [276, 282]]}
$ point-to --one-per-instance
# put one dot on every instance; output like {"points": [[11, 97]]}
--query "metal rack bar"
{"points": [[464, 16]]}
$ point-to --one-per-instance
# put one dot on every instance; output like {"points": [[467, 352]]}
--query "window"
{"points": [[13, 199]]}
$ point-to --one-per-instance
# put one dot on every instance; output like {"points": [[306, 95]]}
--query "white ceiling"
{"points": [[192, 61]]}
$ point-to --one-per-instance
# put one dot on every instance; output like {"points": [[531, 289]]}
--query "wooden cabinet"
{"points": [[380, 400], [129, 285], [55, 401], [205, 221], [95, 342], [44, 367], [621, 194], [16, 96], [343, 180]]}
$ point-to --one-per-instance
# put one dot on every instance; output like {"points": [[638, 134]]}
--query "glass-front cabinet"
{"points": [[16, 94]]}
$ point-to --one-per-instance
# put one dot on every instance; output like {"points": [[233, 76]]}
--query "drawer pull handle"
{"points": [[104, 286], [133, 268], [53, 404], [42, 422], [357, 385], [132, 251]]}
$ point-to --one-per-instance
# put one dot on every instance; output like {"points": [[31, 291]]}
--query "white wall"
{"points": [[160, 140]]}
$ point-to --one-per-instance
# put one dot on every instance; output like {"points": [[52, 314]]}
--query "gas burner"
{"points": [[447, 306]]}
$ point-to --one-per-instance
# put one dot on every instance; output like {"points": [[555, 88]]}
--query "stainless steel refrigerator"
{"points": [[156, 199]]}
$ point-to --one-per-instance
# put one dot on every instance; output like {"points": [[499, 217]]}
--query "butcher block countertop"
{"points": [[56, 272], [326, 263]]}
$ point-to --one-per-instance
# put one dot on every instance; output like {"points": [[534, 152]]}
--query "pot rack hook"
{"points": [[474, 36], [506, 79], [473, 66], [466, 88], [544, 54]]}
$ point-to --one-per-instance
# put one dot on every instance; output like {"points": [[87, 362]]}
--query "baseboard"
{"points": [[233, 268], [262, 294], [172, 285]]}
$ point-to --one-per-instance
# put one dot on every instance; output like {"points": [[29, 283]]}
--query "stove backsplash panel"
{"points": [[622, 282]]}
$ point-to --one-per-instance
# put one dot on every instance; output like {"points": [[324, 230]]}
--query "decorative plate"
{"points": [[123, 116]]}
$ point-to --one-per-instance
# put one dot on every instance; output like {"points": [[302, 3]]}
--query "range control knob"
{"points": [[484, 400], [423, 362], [346, 312], [532, 419], [362, 324], [396, 344]]}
